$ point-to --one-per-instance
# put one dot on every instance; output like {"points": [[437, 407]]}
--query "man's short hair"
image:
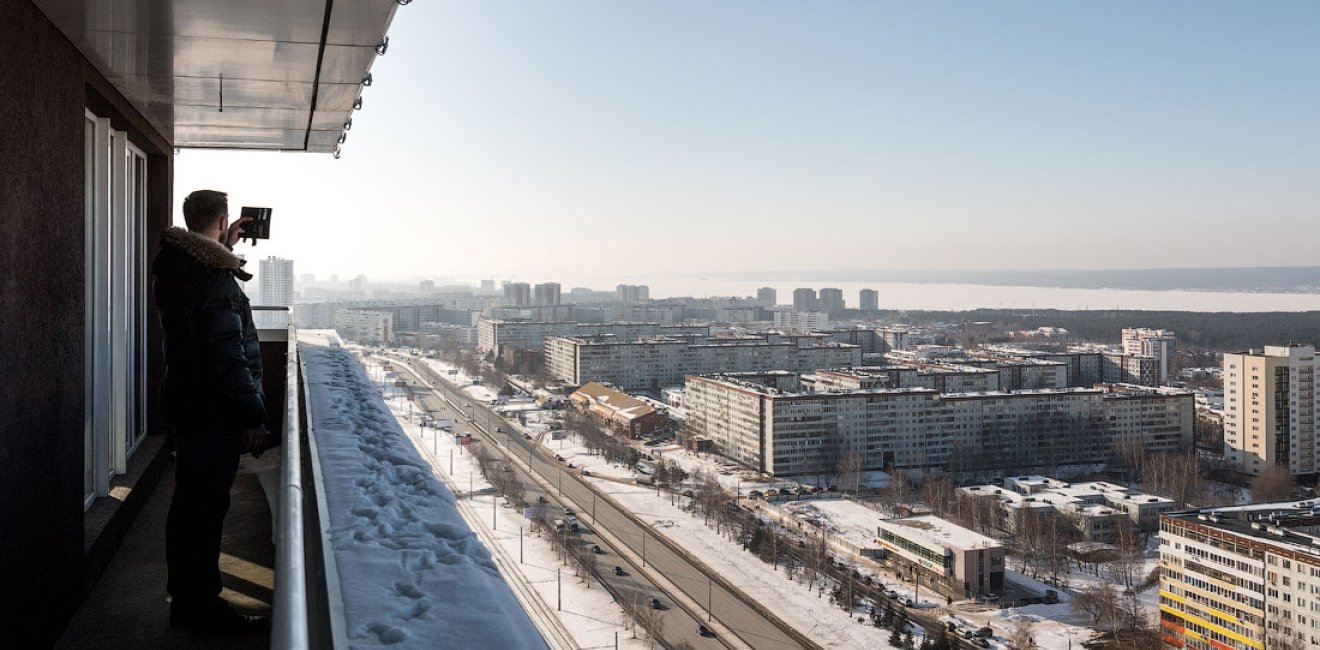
{"points": [[202, 208]]}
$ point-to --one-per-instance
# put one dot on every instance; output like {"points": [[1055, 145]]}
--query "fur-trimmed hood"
{"points": [[205, 251]]}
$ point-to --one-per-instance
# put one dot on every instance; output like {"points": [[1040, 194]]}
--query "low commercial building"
{"points": [[621, 411], [955, 556], [1092, 507], [1241, 577]]}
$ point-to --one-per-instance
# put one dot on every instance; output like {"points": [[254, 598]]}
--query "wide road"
{"points": [[678, 627], [752, 623]]}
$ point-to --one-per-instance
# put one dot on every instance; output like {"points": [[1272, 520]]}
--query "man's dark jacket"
{"points": [[212, 356]]}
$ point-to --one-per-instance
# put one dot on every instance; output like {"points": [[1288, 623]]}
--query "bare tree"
{"points": [[850, 471], [899, 490], [1124, 568], [1020, 637], [651, 621], [1274, 483], [939, 493]]}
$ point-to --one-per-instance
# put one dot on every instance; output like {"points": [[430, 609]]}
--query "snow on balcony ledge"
{"points": [[411, 573]]}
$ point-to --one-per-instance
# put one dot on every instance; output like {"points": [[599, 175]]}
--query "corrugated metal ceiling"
{"points": [[245, 74]]}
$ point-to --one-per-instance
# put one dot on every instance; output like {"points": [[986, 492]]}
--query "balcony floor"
{"points": [[127, 607]]}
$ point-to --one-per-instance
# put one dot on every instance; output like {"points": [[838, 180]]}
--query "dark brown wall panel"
{"points": [[48, 84]]}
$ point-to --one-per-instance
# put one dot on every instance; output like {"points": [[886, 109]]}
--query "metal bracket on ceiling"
{"points": [[383, 45], [366, 81], [357, 104], [348, 124]]}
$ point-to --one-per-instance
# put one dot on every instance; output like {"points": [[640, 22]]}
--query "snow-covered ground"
{"points": [[810, 612], [587, 612], [411, 572]]}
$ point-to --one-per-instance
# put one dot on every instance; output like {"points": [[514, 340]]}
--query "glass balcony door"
{"points": [[115, 295]]}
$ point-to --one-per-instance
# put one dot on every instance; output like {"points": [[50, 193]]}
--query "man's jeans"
{"points": [[207, 461]]}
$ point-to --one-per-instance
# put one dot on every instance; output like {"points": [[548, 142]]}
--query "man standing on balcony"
{"points": [[212, 397]]}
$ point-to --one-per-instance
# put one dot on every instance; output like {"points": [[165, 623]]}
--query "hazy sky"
{"points": [[561, 139]]}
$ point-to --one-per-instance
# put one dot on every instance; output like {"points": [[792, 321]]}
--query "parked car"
{"points": [[891, 593], [990, 598], [755, 494], [980, 643], [985, 632]]}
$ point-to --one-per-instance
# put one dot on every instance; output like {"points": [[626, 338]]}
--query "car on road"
{"points": [[907, 602], [618, 571], [595, 548], [704, 631], [891, 593], [559, 458], [990, 598], [569, 511], [980, 643], [656, 604]]}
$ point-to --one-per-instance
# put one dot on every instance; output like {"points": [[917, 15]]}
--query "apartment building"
{"points": [[1027, 373], [517, 294], [790, 431], [831, 300], [965, 560], [365, 326], [767, 297], [868, 300], [801, 321], [547, 293], [651, 363], [1243, 577], [493, 334], [1269, 409], [945, 378], [1146, 342], [632, 293], [804, 299]]}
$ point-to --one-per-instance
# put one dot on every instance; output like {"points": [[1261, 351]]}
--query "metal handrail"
{"points": [[289, 628]]}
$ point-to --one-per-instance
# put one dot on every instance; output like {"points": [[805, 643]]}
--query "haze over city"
{"points": [[585, 139]]}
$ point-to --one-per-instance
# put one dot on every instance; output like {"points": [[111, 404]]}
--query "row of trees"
{"points": [[598, 439]]}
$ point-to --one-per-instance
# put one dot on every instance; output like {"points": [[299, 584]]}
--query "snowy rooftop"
{"points": [[941, 533]]}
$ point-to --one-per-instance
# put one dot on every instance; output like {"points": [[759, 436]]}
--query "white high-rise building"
{"points": [[1146, 342], [1269, 409], [275, 289]]}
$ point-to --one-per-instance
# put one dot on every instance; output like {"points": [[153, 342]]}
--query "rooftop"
{"points": [[940, 532]]}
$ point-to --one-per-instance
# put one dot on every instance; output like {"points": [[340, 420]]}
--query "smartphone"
{"points": [[259, 226]]}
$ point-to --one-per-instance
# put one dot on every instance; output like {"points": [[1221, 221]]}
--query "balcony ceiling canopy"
{"points": [[237, 74]]}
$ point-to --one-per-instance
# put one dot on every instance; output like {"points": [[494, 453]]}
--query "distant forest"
{"points": [[1206, 331], [1274, 278]]}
